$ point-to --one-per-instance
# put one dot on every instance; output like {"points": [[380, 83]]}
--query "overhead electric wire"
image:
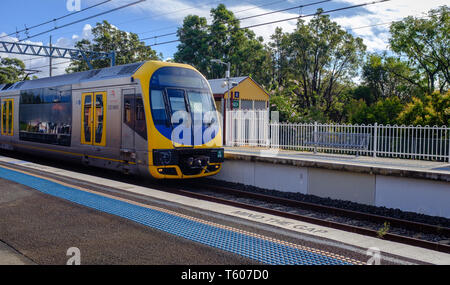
{"points": [[254, 16], [260, 6], [43, 66], [287, 9], [170, 13], [159, 36], [294, 18], [385, 23], [56, 19], [87, 18], [248, 9], [313, 14]]}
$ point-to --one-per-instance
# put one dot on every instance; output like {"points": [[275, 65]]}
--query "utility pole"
{"points": [[51, 53], [227, 102]]}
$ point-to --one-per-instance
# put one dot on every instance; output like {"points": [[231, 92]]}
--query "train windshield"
{"points": [[200, 103], [177, 99], [175, 89]]}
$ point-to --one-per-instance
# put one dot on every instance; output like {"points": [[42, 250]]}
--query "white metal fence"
{"points": [[253, 128]]}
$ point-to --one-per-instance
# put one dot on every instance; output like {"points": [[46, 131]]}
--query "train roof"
{"points": [[119, 71]]}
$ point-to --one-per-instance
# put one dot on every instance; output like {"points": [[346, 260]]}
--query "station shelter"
{"points": [[244, 94]]}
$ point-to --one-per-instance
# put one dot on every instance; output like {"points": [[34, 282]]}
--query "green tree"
{"points": [[194, 47], [387, 76], [431, 109], [425, 44], [11, 70], [108, 38], [223, 39], [323, 60], [364, 93], [278, 48], [384, 111]]}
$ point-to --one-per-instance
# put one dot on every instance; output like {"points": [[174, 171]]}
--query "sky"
{"points": [[159, 17]]}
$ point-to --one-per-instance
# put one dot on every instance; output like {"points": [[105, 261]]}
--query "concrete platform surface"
{"points": [[9, 256]]}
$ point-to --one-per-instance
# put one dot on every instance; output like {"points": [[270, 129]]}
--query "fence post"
{"points": [[315, 137], [375, 139], [448, 135]]}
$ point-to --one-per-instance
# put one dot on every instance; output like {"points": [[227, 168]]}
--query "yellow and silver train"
{"points": [[151, 118]]}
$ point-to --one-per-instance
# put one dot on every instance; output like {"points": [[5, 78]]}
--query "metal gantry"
{"points": [[55, 52]]}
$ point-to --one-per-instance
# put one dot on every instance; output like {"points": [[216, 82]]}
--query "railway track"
{"points": [[192, 190]]}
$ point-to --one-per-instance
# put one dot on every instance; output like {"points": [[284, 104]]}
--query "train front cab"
{"points": [[184, 136]]}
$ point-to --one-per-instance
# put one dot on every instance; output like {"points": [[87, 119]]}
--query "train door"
{"points": [[7, 117], [128, 124], [93, 118]]}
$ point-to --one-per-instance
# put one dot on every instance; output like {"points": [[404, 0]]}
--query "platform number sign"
{"points": [[236, 95]]}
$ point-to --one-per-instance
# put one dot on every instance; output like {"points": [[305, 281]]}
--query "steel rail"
{"points": [[395, 222], [325, 209]]}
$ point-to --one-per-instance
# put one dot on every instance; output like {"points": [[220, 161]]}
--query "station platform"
{"points": [[46, 210], [421, 169]]}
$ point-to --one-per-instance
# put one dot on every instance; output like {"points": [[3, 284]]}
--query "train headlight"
{"points": [[190, 161]]}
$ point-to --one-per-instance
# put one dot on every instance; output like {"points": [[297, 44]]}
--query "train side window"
{"points": [[158, 107], [10, 118], [134, 113], [7, 117], [100, 119], [127, 111], [4, 118], [86, 132], [140, 113], [141, 124]]}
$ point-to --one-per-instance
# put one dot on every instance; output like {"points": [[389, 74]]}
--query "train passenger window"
{"points": [[87, 119], [127, 111], [46, 115], [4, 118], [134, 113], [7, 117], [141, 124], [140, 113], [100, 119], [10, 117], [99, 115]]}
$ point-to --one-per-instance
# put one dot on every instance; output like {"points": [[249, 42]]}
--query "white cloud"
{"points": [[266, 30], [174, 10], [85, 34], [373, 24]]}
